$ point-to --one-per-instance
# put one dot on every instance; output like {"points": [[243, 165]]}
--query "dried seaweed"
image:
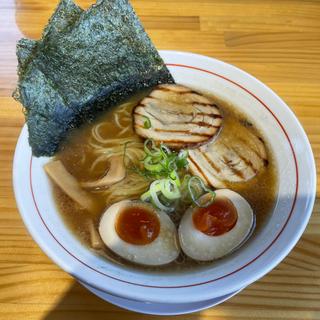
{"points": [[85, 62]]}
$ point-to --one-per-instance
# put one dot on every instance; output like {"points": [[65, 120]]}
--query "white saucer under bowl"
{"points": [[161, 309]]}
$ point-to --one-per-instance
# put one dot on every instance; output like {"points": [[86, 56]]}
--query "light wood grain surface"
{"points": [[276, 41]]}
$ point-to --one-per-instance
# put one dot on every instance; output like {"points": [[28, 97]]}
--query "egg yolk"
{"points": [[137, 225], [216, 219]]}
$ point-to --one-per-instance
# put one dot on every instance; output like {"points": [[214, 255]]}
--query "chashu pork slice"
{"points": [[231, 158], [177, 116]]}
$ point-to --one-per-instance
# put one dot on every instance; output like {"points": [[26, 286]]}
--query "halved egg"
{"points": [[209, 233], [137, 232]]}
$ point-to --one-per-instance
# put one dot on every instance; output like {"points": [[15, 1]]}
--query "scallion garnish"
{"points": [[197, 188], [165, 167], [147, 122]]}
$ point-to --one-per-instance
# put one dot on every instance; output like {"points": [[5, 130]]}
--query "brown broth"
{"points": [[77, 157]]}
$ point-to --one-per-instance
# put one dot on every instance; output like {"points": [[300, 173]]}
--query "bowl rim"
{"points": [[257, 275]]}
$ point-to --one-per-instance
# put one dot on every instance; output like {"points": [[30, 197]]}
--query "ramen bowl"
{"points": [[213, 282]]}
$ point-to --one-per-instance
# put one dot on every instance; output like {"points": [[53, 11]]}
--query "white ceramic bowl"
{"points": [[287, 222]]}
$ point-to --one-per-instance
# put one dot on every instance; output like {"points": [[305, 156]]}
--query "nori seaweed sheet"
{"points": [[85, 62]]}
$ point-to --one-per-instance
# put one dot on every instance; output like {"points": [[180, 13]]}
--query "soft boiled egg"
{"points": [[137, 232], [212, 232]]}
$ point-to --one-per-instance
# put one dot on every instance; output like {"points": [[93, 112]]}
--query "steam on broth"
{"points": [[86, 156]]}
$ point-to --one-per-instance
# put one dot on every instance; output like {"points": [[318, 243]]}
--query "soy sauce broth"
{"points": [[78, 157]]}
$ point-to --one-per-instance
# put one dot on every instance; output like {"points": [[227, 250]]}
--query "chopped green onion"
{"points": [[147, 122], [182, 161], [154, 188], [154, 151], [213, 196], [183, 154], [146, 196], [163, 166], [170, 189], [175, 177], [164, 189], [149, 165], [162, 157], [165, 150], [192, 190]]}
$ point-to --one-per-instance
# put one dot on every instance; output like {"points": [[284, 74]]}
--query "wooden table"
{"points": [[276, 41]]}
